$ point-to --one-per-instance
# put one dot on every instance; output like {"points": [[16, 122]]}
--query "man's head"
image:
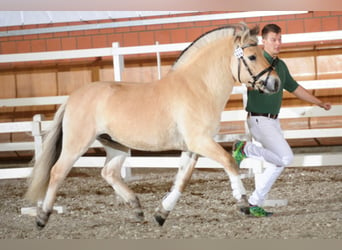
{"points": [[271, 38]]}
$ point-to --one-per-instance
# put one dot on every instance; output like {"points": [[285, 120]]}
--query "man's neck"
{"points": [[272, 55]]}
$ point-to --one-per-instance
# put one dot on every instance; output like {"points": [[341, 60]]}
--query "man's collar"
{"points": [[269, 57]]}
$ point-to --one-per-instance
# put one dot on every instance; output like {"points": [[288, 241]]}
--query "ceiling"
{"points": [[17, 18]]}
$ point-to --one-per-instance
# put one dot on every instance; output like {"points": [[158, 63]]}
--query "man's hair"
{"points": [[270, 28]]}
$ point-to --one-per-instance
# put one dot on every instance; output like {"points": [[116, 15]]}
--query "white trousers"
{"points": [[274, 149]]}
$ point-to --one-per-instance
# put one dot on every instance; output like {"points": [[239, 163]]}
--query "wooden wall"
{"points": [[309, 61]]}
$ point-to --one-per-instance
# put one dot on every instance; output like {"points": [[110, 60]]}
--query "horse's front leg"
{"points": [[207, 147], [187, 165]]}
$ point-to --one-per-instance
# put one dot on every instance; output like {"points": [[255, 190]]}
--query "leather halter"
{"points": [[239, 54]]}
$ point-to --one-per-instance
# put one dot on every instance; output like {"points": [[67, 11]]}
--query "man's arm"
{"points": [[304, 95]]}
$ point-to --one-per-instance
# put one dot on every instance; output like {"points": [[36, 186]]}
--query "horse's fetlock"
{"points": [[139, 214], [135, 203]]}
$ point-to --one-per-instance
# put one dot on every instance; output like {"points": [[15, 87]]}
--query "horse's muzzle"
{"points": [[271, 86]]}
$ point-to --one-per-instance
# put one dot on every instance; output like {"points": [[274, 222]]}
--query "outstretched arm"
{"points": [[304, 95]]}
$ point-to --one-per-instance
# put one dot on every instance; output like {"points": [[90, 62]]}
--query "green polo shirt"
{"points": [[265, 103]]}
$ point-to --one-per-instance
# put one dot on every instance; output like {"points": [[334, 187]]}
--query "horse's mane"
{"points": [[235, 30]]}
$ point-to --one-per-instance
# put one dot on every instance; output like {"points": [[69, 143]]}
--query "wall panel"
{"points": [[309, 61]]}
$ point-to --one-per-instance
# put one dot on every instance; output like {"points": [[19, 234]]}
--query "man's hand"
{"points": [[325, 105]]}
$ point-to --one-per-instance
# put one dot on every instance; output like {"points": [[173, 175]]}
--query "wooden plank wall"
{"points": [[308, 61]]}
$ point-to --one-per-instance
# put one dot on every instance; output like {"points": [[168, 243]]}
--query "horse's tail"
{"points": [[52, 146]]}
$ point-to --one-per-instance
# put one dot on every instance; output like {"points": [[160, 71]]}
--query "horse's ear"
{"points": [[254, 31], [240, 30], [237, 39]]}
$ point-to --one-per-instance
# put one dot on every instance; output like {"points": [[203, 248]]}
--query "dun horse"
{"points": [[179, 112]]}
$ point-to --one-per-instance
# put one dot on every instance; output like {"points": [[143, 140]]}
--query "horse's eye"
{"points": [[252, 57]]}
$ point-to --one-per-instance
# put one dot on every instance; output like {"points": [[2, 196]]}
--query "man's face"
{"points": [[272, 43]]}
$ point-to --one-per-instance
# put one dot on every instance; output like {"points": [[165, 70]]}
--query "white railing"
{"points": [[118, 52], [37, 126]]}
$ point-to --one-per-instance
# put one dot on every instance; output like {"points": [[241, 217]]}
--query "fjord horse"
{"points": [[179, 112]]}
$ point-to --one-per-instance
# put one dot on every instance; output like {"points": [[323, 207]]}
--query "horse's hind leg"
{"points": [[186, 168], [58, 173], [75, 143], [112, 174]]}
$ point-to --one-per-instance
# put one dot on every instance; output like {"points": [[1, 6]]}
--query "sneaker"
{"points": [[238, 153], [257, 211]]}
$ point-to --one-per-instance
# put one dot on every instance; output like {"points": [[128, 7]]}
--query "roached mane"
{"points": [[238, 30]]}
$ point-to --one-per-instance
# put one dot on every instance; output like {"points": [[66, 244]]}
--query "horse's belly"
{"points": [[150, 143], [147, 138]]}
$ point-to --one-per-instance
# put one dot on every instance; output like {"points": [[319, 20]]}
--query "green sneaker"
{"points": [[259, 212], [238, 153]]}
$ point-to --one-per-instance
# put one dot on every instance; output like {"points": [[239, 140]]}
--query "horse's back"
{"points": [[137, 115]]}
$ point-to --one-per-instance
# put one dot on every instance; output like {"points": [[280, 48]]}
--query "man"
{"points": [[264, 125]]}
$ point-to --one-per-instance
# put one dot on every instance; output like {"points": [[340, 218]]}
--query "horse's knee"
{"points": [[109, 174], [56, 174], [105, 173], [229, 165], [113, 167]]}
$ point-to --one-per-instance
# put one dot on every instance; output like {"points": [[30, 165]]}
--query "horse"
{"points": [[181, 112]]}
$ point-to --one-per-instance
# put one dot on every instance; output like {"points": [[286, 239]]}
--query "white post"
{"points": [[244, 100], [37, 134], [158, 61], [38, 147], [257, 166], [118, 62], [126, 171], [247, 133]]}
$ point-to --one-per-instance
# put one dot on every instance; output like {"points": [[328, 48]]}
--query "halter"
{"points": [[239, 54]]}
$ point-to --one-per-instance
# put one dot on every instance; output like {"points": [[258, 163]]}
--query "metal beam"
{"points": [[192, 18]]}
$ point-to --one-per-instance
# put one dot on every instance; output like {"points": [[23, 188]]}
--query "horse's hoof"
{"points": [[40, 225], [161, 215], [243, 205], [139, 216], [42, 218], [159, 219]]}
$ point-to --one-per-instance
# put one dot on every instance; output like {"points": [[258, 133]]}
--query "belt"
{"points": [[263, 114]]}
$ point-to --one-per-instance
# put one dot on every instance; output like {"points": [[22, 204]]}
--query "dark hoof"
{"points": [[161, 215], [139, 216], [42, 218], [243, 205], [159, 219], [40, 225], [244, 210]]}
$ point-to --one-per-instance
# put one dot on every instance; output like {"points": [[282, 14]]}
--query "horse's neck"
{"points": [[212, 70]]}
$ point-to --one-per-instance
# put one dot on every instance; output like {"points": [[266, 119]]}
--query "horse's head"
{"points": [[248, 64]]}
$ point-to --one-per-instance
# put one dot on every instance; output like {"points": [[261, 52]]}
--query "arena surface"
{"points": [[206, 210]]}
